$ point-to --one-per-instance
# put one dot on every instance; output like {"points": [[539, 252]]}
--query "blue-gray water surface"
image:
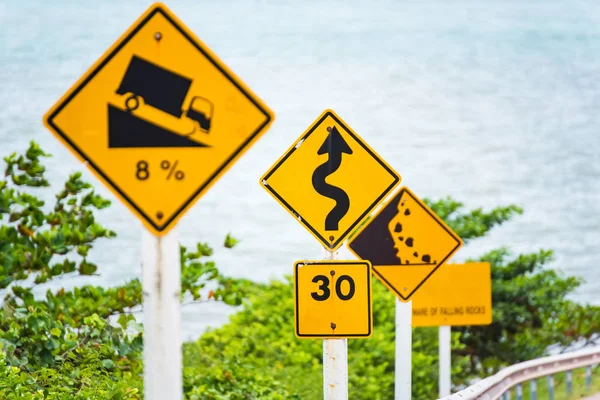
{"points": [[491, 102]]}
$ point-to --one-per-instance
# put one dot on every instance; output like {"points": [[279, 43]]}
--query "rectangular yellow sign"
{"points": [[333, 299], [456, 295]]}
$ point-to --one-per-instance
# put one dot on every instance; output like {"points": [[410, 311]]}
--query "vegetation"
{"points": [[62, 345]]}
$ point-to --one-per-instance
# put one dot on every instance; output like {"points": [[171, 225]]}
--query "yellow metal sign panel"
{"points": [[333, 299], [456, 295], [158, 118], [330, 179], [406, 243]]}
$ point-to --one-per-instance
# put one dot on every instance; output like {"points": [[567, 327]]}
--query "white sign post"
{"points": [[162, 316], [445, 380], [403, 389], [335, 369], [335, 362]]}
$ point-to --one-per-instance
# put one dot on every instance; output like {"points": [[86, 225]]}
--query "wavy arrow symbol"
{"points": [[334, 145]]}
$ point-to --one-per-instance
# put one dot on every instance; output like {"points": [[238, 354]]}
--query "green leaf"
{"points": [[52, 344], [230, 241], [83, 250], [86, 268], [35, 323], [108, 364], [122, 320]]}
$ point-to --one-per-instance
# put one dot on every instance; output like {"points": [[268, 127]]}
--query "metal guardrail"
{"points": [[498, 386]]}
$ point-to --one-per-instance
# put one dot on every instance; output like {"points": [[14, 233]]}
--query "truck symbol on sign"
{"points": [[147, 83]]}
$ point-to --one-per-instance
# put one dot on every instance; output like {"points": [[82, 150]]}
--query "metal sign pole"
{"points": [[445, 380], [162, 318], [335, 362], [403, 350], [335, 369]]}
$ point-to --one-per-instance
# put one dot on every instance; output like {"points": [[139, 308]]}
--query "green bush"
{"points": [[528, 318], [62, 346]]}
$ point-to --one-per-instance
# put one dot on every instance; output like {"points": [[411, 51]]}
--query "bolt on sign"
{"points": [[159, 118], [456, 295], [333, 299], [406, 242], [330, 179]]}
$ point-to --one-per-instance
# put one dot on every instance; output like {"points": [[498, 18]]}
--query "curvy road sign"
{"points": [[330, 179]]}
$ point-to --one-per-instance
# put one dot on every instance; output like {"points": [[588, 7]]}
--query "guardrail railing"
{"points": [[498, 386]]}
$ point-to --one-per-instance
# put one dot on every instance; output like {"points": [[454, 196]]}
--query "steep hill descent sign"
{"points": [[159, 118], [330, 179], [406, 243]]}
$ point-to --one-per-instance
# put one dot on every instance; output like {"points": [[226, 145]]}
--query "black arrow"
{"points": [[334, 145]]}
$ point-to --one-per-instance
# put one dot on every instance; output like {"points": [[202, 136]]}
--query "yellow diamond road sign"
{"points": [[330, 179], [406, 242], [159, 118], [333, 299]]}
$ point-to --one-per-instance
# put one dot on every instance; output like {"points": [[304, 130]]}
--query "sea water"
{"points": [[490, 102]]}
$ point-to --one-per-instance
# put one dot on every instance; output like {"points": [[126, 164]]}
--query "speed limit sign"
{"points": [[333, 299]]}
